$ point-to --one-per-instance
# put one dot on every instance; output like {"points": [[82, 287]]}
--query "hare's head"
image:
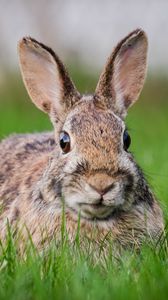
{"points": [[97, 172]]}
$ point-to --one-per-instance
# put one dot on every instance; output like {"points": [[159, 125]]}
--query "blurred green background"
{"points": [[147, 121]]}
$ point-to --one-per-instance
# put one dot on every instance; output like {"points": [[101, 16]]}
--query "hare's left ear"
{"points": [[123, 77]]}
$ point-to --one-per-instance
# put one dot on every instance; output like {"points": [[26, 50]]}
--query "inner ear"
{"points": [[45, 77], [123, 77]]}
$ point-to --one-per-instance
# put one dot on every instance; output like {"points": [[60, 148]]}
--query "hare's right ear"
{"points": [[46, 78]]}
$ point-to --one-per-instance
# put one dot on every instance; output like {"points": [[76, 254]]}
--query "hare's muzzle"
{"points": [[102, 191]]}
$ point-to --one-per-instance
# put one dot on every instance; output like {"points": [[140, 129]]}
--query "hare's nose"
{"points": [[103, 191]]}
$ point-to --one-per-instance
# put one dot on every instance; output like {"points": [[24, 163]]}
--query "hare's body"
{"points": [[84, 165], [27, 190], [19, 155]]}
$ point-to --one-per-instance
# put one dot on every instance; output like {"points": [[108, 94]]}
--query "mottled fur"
{"points": [[37, 180]]}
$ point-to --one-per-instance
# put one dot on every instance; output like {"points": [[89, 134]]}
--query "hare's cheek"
{"points": [[73, 199]]}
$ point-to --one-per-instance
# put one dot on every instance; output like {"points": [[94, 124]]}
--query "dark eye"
{"points": [[65, 142], [126, 140]]}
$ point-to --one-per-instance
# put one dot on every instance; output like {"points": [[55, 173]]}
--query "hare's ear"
{"points": [[45, 77], [122, 79]]}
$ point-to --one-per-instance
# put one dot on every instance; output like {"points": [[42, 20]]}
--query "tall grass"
{"points": [[65, 271]]}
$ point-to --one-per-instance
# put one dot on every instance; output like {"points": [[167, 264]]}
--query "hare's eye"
{"points": [[65, 142], [126, 140]]}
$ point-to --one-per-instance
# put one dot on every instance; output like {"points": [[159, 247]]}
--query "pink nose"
{"points": [[102, 191]]}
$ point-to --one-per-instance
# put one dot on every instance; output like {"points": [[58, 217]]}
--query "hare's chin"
{"points": [[99, 211]]}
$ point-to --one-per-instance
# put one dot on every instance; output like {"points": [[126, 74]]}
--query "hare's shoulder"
{"points": [[17, 150], [27, 143], [21, 155]]}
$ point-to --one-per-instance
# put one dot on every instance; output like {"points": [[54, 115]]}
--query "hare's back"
{"points": [[22, 147], [19, 154]]}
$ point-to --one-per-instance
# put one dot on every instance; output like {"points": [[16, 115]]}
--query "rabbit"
{"points": [[84, 167]]}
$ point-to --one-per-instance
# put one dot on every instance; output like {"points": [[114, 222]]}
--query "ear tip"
{"points": [[139, 30], [25, 41], [30, 42], [134, 37], [139, 33]]}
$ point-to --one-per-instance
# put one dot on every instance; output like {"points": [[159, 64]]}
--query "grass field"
{"points": [[65, 272]]}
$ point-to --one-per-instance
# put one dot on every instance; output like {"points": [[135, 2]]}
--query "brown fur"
{"points": [[37, 180]]}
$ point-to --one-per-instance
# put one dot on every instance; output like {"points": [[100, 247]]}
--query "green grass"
{"points": [[65, 272]]}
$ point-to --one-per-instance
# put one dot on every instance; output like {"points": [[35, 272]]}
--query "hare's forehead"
{"points": [[94, 122]]}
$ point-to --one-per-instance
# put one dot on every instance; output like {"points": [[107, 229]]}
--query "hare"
{"points": [[84, 166]]}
